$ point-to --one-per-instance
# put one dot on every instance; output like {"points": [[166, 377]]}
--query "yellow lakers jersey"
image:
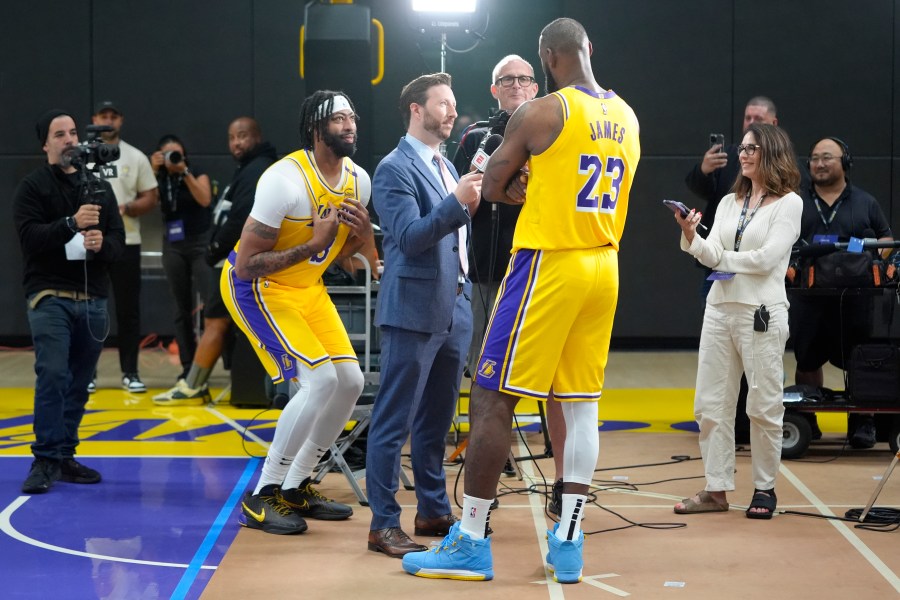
{"points": [[578, 188], [297, 228]]}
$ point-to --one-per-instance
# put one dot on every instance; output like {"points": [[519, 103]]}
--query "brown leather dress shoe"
{"points": [[435, 527], [393, 541]]}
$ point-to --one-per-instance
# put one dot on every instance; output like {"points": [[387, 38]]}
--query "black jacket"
{"points": [[493, 225], [41, 203], [229, 219]]}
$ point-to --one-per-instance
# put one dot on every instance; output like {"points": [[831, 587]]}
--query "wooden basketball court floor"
{"points": [[163, 523]]}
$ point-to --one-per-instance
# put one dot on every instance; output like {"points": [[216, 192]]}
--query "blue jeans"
{"points": [[68, 337]]}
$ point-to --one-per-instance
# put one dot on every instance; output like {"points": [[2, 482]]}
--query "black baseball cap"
{"points": [[106, 105]]}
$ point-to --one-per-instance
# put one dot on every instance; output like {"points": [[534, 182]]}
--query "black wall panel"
{"points": [[686, 67], [831, 77], [46, 64], [175, 67]]}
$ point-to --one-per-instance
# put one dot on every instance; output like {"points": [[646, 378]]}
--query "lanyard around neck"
{"points": [[834, 209], [744, 221]]}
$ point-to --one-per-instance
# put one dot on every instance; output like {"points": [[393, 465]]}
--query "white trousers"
{"points": [[729, 347]]}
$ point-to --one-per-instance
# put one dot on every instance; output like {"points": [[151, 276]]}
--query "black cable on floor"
{"points": [[879, 518], [631, 523], [247, 428]]}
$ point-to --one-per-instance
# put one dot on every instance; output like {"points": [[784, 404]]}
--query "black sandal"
{"points": [[764, 499]]}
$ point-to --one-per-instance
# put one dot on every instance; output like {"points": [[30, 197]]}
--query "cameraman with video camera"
{"points": [[512, 84], [185, 197], [70, 231]]}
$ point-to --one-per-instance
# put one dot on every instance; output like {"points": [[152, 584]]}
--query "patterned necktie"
{"points": [[463, 233]]}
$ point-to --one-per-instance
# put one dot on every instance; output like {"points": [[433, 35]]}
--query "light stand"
{"points": [[442, 16]]}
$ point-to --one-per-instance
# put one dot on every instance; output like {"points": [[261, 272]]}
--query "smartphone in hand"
{"points": [[680, 208], [717, 138]]}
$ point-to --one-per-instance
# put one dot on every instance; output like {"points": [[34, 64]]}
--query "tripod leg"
{"points": [[884, 478]]}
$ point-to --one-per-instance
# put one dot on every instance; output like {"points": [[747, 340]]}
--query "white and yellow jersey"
{"points": [[578, 188], [286, 196]]}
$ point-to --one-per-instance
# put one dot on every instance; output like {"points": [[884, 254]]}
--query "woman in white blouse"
{"points": [[745, 325]]}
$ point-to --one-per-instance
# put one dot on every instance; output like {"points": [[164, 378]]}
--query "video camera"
{"points": [[93, 151], [497, 122]]}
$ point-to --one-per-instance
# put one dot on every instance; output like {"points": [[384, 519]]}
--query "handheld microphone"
{"points": [[487, 147], [817, 250]]}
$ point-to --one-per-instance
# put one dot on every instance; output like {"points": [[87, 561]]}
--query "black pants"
{"points": [[125, 275], [189, 279]]}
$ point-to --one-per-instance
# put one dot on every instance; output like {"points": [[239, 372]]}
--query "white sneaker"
{"points": [[132, 383], [182, 395]]}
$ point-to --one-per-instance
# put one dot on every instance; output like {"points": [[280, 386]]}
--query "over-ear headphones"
{"points": [[846, 157]]}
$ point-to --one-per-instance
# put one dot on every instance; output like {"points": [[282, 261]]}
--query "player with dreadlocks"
{"points": [[309, 210]]}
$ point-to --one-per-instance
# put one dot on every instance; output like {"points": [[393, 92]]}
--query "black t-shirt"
{"points": [[852, 214], [177, 203]]}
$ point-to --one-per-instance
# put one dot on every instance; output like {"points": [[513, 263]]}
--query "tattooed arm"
{"points": [[532, 129], [256, 258]]}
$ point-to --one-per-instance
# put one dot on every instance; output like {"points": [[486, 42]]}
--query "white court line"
{"points": [[554, 590], [845, 531], [7, 528], [536, 502], [239, 428]]}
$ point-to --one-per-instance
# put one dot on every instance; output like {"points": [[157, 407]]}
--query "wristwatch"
{"points": [[186, 172], [70, 222]]}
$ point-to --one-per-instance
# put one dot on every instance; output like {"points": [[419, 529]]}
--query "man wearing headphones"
{"points": [[825, 328]]}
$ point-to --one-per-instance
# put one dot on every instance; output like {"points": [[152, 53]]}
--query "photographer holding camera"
{"points": [[185, 197], [70, 232], [135, 187]]}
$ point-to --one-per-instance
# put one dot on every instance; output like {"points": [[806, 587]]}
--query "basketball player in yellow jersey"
{"points": [[551, 323], [309, 209]]}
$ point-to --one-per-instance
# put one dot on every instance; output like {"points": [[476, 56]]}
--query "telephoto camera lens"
{"points": [[174, 157]]}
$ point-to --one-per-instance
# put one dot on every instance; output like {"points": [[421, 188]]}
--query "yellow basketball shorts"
{"points": [[286, 325], [551, 324]]}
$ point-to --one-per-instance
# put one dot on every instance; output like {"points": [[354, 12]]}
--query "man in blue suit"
{"points": [[424, 312]]}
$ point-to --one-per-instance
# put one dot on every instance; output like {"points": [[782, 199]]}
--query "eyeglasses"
{"points": [[509, 80], [825, 158], [750, 149]]}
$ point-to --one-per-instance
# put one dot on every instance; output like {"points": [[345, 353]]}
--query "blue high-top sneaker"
{"points": [[457, 557], [565, 559]]}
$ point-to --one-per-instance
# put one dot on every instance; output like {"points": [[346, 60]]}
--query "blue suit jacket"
{"points": [[420, 245]]}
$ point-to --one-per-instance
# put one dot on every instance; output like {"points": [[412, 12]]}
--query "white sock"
{"points": [[306, 460], [476, 512], [570, 517], [274, 469]]}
